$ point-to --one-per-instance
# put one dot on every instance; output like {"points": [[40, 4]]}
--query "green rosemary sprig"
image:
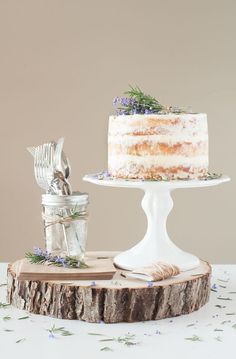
{"points": [[127, 339], [53, 331], [43, 257], [138, 102], [143, 100], [194, 338]]}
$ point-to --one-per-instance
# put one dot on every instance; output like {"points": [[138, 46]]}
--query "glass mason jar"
{"points": [[65, 224]]}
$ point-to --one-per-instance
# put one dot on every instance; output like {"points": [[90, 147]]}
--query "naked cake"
{"points": [[151, 144]]}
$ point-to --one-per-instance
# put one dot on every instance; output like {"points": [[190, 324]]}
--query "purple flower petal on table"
{"points": [[150, 284], [51, 336]]}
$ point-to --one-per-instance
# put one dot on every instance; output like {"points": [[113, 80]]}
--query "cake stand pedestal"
{"points": [[157, 203]]}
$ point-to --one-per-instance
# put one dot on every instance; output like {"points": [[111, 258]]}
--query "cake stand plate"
{"points": [[157, 203], [115, 300]]}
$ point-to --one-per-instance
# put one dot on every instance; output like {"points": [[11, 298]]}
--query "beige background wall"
{"points": [[61, 64]]}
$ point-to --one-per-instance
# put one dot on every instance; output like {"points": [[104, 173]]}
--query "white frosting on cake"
{"points": [[145, 146]]}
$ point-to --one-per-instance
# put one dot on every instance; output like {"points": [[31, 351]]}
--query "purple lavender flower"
{"points": [[93, 284], [214, 286], [106, 174], [126, 101], [60, 260], [46, 255], [148, 111], [149, 284], [38, 251], [51, 335], [122, 112], [116, 100]]}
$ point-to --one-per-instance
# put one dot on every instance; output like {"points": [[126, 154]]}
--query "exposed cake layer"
{"points": [[148, 146]]}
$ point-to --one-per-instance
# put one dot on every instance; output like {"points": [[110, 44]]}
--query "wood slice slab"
{"points": [[116, 300]]}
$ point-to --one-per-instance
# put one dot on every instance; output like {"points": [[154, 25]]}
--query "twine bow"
{"points": [[51, 220]]}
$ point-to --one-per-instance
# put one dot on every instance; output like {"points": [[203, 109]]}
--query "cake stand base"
{"points": [[116, 300], [157, 203]]}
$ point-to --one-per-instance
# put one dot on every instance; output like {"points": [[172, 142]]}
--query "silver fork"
{"points": [[43, 165]]}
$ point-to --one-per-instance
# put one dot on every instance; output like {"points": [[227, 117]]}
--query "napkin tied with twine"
{"points": [[155, 272]]}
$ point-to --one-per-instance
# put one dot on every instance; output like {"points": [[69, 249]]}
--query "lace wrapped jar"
{"points": [[65, 224]]}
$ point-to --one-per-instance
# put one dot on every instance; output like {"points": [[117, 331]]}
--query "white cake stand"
{"points": [[157, 204]]}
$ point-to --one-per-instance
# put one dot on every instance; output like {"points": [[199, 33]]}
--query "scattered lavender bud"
{"points": [[51, 336]]}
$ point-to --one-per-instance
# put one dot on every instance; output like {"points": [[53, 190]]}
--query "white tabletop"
{"points": [[214, 327]]}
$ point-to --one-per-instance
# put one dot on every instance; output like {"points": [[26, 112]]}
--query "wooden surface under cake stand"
{"points": [[112, 301]]}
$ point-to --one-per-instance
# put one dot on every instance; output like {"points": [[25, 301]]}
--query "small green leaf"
{"points": [[106, 349], [6, 318], [20, 340], [3, 305], [194, 338], [220, 306], [22, 318]]}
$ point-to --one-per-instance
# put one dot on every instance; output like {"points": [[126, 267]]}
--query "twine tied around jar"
{"points": [[50, 220]]}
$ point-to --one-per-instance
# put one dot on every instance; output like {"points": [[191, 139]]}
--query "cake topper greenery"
{"points": [[137, 102]]}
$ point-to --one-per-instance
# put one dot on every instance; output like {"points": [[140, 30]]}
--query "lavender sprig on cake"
{"points": [[137, 102]]}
